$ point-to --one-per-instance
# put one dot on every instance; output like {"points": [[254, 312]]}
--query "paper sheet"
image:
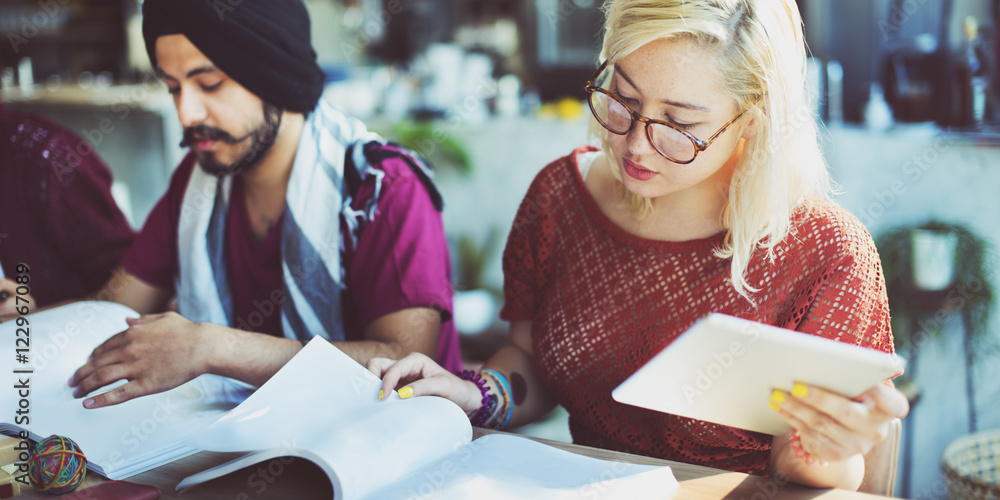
{"points": [[502, 467], [119, 440], [324, 404]]}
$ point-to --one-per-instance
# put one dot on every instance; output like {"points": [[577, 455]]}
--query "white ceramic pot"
{"points": [[933, 258], [475, 310]]}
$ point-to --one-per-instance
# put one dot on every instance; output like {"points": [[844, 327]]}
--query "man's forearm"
{"points": [[251, 357], [255, 357], [364, 350], [397, 334]]}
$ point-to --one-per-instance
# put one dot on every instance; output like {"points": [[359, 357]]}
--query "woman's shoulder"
{"points": [[561, 173], [819, 224], [557, 185]]}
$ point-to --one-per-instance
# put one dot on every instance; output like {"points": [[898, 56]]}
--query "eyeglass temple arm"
{"points": [[590, 83], [721, 130]]}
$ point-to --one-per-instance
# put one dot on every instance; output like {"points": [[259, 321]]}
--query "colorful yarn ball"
{"points": [[57, 465]]}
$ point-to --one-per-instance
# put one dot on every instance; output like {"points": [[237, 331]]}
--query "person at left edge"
{"points": [[57, 215], [256, 233]]}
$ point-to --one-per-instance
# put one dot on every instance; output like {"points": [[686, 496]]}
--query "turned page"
{"points": [[324, 406]]}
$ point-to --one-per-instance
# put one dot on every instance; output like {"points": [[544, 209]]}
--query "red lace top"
{"points": [[604, 301]]}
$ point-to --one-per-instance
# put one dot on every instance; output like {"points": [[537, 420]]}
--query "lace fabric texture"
{"points": [[603, 302]]}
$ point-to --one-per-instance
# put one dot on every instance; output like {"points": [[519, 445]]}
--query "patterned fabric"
{"points": [[311, 243], [604, 302], [57, 214]]}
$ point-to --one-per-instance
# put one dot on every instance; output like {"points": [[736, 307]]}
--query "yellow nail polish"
{"points": [[799, 390], [405, 392], [381, 394], [773, 406], [778, 396]]}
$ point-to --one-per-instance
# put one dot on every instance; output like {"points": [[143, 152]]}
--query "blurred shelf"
{"points": [[152, 97], [985, 136]]}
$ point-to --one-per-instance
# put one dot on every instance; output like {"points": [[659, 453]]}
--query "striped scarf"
{"points": [[311, 241]]}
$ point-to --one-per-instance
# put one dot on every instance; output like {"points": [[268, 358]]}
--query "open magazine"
{"points": [[323, 406], [119, 441]]}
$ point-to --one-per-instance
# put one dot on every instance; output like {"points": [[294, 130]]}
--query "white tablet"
{"points": [[723, 370]]}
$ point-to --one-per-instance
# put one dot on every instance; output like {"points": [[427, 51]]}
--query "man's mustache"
{"points": [[200, 133]]}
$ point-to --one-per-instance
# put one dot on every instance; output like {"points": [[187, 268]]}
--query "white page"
{"points": [[318, 384], [119, 440], [504, 467], [324, 406]]}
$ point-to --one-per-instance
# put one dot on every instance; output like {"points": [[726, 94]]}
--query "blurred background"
{"points": [[491, 91]]}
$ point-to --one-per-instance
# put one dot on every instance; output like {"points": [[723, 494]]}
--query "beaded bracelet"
{"points": [[477, 416], [800, 452], [506, 406]]}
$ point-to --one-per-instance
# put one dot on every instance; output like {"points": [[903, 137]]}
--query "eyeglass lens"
{"points": [[614, 116]]}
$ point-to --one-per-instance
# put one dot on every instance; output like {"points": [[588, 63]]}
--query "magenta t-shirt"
{"points": [[401, 260]]}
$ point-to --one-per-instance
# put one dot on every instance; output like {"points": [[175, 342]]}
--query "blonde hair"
{"points": [[761, 60]]}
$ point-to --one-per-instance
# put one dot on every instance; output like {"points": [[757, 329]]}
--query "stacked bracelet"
{"points": [[477, 417], [800, 452], [504, 410]]}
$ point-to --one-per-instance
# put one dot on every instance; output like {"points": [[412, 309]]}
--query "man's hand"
{"points": [[9, 300], [156, 353]]}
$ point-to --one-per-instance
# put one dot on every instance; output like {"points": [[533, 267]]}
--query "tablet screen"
{"points": [[724, 368]]}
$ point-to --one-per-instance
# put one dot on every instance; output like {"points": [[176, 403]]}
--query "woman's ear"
{"points": [[753, 126]]}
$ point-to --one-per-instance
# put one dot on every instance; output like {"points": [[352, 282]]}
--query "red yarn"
{"points": [[604, 302]]}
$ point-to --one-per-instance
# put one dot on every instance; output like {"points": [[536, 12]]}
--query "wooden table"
{"points": [[299, 479]]}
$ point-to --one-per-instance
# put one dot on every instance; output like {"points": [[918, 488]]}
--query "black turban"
{"points": [[262, 44]]}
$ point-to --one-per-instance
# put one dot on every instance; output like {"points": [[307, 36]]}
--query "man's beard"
{"points": [[261, 140]]}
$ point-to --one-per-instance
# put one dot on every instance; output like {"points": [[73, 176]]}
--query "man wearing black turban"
{"points": [[261, 228]]}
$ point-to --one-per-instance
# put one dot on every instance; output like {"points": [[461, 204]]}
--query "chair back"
{"points": [[880, 463]]}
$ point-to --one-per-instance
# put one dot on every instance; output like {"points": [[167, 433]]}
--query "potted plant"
{"points": [[932, 271], [439, 146], [476, 302]]}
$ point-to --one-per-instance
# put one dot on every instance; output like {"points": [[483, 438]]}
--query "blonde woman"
{"points": [[708, 195]]}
